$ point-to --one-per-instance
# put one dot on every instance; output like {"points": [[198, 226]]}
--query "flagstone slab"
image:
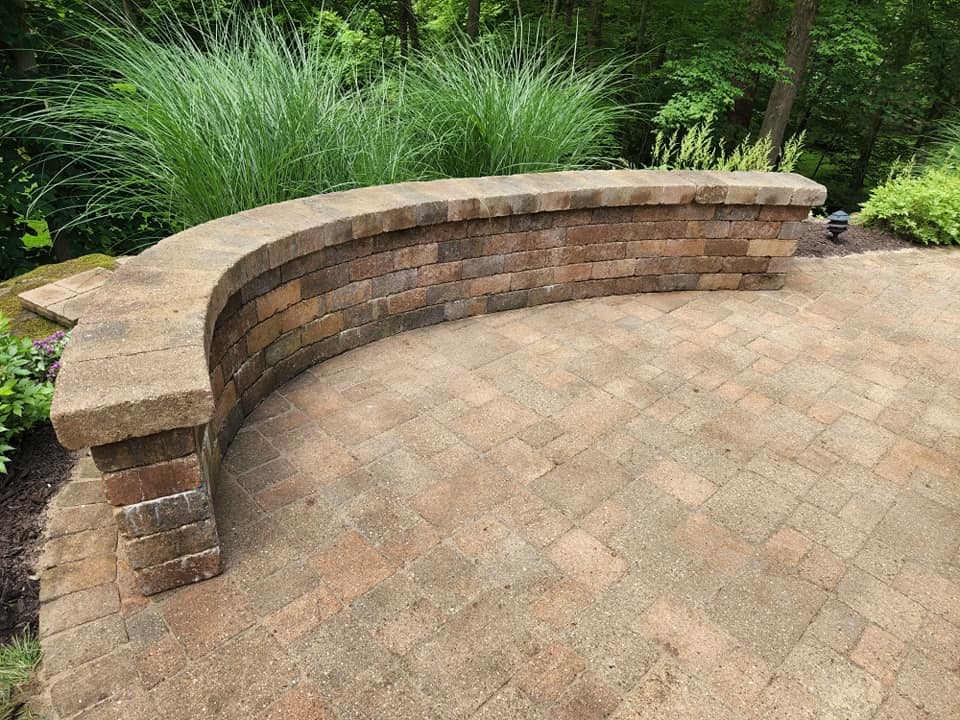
{"points": [[65, 300]]}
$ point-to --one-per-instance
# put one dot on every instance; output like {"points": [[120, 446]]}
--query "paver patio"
{"points": [[683, 505]]}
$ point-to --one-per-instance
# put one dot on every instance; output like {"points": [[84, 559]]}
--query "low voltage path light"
{"points": [[837, 224]]}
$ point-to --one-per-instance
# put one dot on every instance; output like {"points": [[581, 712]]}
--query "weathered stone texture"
{"points": [[257, 298], [126, 487], [165, 513]]}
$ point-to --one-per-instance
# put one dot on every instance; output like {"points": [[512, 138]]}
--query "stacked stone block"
{"points": [[189, 337], [162, 495]]}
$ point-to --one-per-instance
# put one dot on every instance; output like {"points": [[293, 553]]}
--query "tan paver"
{"points": [[65, 300], [683, 505]]}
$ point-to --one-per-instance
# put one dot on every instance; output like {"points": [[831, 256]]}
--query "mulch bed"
{"points": [[38, 469], [814, 240]]}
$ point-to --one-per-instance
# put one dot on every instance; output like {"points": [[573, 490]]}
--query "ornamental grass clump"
{"points": [[180, 125], [512, 103], [193, 124], [19, 660]]}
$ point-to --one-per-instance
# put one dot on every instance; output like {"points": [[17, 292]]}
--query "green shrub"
{"points": [[27, 371], [697, 149], [510, 104], [923, 205]]}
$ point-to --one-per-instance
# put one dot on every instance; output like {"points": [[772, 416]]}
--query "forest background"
{"points": [[867, 82]]}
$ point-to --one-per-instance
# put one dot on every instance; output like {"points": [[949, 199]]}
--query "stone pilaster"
{"points": [[161, 488]]}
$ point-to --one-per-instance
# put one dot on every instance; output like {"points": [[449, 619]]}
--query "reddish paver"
{"points": [[683, 505]]}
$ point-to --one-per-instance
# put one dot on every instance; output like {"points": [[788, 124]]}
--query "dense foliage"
{"points": [[924, 206], [194, 124], [923, 203], [871, 88], [27, 372]]}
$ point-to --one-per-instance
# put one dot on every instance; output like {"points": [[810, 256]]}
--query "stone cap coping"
{"points": [[136, 363]]}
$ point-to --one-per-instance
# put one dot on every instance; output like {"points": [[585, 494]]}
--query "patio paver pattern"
{"points": [[682, 505]]}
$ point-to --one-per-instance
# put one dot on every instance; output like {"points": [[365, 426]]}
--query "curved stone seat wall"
{"points": [[190, 336]]}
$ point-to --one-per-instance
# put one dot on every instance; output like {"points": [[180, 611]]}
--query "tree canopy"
{"points": [[866, 81]]}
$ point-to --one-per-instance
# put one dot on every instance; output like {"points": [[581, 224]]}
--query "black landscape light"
{"points": [[837, 224]]}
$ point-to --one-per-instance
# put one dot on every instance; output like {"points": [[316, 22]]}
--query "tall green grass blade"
{"points": [[185, 124], [18, 662], [510, 104]]}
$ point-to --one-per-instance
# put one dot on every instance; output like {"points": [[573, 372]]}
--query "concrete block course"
{"points": [[190, 336]]}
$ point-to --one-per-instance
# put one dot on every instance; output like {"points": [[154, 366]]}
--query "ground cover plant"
{"points": [[18, 662], [28, 369]]}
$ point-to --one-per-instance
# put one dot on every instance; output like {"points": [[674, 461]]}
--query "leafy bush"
{"points": [[697, 149], [704, 84], [510, 104], [27, 371], [924, 205]]}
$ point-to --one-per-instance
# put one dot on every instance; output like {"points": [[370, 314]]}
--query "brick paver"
{"points": [[689, 505]]}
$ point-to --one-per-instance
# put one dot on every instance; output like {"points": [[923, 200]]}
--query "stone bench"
{"points": [[186, 339]]}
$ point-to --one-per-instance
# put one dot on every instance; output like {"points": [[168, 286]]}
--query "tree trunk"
{"points": [[758, 12], [644, 15], [473, 18], [62, 246], [596, 23], [640, 44], [784, 91], [812, 94], [412, 29], [893, 64], [866, 148], [409, 34], [23, 59]]}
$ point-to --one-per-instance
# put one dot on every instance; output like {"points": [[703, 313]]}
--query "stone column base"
{"points": [[161, 489]]}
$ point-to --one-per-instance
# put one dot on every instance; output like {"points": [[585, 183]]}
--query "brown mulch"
{"points": [[38, 469], [815, 241]]}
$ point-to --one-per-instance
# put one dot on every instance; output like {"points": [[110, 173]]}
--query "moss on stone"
{"points": [[26, 323]]}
